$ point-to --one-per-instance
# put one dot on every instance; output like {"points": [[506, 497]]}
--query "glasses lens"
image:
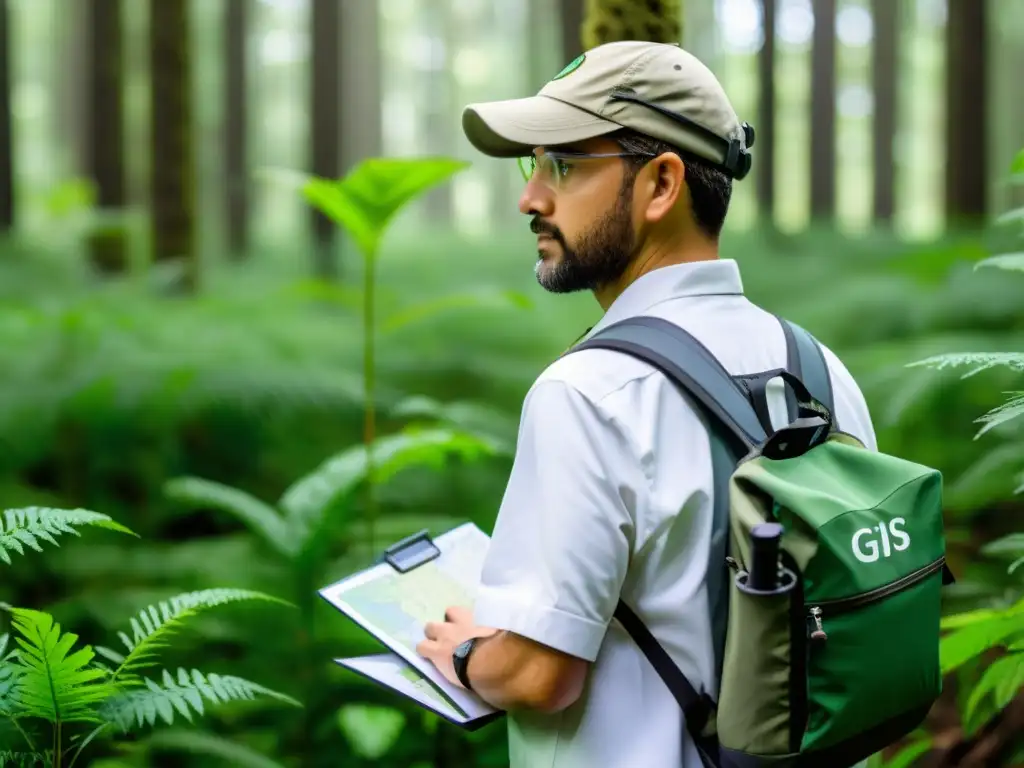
{"points": [[527, 165]]}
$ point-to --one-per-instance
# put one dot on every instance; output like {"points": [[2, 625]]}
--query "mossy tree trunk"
{"points": [[6, 143], [173, 150], [607, 21], [823, 112], [325, 20], [108, 247], [236, 133]]}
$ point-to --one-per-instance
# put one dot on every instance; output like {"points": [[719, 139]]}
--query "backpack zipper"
{"points": [[842, 605]]}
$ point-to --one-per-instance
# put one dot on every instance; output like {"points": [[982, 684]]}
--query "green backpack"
{"points": [[827, 565]]}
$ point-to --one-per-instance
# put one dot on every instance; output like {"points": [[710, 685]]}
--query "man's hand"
{"points": [[443, 637]]}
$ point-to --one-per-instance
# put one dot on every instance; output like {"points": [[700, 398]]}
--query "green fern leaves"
{"points": [[53, 683], [184, 694], [152, 626], [22, 528]]}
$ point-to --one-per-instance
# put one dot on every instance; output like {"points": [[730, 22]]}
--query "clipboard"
{"points": [[412, 582]]}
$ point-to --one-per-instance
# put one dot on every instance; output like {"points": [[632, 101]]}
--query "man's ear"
{"points": [[667, 184]]}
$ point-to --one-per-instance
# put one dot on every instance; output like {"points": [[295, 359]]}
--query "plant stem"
{"points": [[57, 742], [85, 742], [369, 383], [23, 732]]}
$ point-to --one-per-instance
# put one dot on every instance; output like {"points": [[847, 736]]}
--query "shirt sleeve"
{"points": [[562, 540]]}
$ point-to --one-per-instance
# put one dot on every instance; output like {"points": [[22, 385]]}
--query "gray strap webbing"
{"points": [[807, 362]]}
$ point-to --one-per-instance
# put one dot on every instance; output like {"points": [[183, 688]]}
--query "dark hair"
{"points": [[710, 187]]}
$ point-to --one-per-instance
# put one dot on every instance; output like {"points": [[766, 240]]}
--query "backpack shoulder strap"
{"points": [[806, 361], [735, 428]]}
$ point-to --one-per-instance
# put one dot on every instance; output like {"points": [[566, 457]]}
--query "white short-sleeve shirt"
{"points": [[611, 493]]}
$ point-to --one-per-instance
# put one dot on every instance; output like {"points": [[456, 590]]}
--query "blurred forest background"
{"points": [[183, 345]]}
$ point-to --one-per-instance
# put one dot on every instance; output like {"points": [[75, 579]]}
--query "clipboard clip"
{"points": [[411, 552]]}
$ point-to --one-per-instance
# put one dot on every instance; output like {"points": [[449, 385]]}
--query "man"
{"points": [[630, 156]]}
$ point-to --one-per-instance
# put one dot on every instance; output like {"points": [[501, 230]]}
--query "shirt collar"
{"points": [[698, 278]]}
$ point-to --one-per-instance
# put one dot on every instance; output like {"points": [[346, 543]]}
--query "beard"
{"points": [[598, 257]]}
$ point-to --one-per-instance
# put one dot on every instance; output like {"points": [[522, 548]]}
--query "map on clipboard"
{"points": [[417, 580]]}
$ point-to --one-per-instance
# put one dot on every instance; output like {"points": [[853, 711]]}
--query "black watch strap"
{"points": [[460, 660]]}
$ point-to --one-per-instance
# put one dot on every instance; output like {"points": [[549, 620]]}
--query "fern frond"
{"points": [[260, 517], [28, 525], [52, 684], [1008, 411], [152, 626], [981, 361], [185, 695], [1012, 261]]}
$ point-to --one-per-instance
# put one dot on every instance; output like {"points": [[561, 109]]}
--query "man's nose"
{"points": [[536, 199]]}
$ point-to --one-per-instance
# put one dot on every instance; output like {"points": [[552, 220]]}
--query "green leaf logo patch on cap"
{"points": [[571, 67]]}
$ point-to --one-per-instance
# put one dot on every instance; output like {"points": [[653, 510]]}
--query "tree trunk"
{"points": [[6, 138], [764, 166], [173, 151], [658, 21], [325, 123], [236, 134], [885, 76], [105, 164], [572, 29], [823, 111], [966, 112]]}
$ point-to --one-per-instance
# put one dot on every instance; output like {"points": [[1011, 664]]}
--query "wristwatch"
{"points": [[460, 660]]}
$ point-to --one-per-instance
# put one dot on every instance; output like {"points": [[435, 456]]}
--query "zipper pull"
{"points": [[731, 562], [818, 634]]}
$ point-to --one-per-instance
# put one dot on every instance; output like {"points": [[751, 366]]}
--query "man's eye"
{"points": [[562, 167]]}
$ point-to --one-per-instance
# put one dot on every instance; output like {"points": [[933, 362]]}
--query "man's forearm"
{"points": [[506, 674]]}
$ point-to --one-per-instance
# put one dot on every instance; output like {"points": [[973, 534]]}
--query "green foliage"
{"points": [[183, 694], [372, 731], [151, 627], [25, 527], [50, 678], [305, 504], [366, 200], [994, 635], [51, 684]]}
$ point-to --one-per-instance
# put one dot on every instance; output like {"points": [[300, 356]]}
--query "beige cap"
{"points": [[657, 89]]}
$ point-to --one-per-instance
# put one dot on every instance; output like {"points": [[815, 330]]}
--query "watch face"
{"points": [[463, 649]]}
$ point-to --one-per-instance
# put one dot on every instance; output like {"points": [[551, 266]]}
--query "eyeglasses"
{"points": [[555, 168]]}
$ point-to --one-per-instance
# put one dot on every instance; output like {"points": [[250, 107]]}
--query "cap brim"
{"points": [[513, 128]]}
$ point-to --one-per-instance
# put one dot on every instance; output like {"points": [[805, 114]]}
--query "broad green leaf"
{"points": [[1010, 544], [372, 731], [369, 196], [1010, 261], [423, 310], [209, 744], [1017, 166], [1001, 680], [974, 639], [260, 517], [1017, 214], [306, 500], [1015, 565]]}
